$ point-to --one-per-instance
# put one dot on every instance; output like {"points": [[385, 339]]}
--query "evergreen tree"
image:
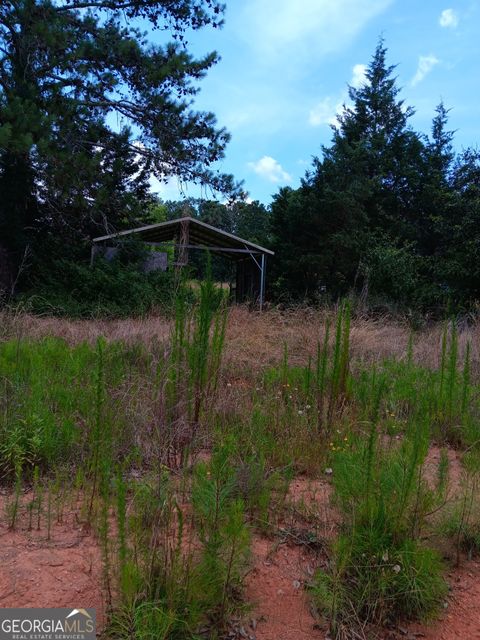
{"points": [[71, 68], [360, 195], [458, 265], [251, 221]]}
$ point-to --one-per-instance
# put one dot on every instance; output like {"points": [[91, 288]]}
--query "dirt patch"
{"points": [[281, 607], [309, 500], [65, 571], [276, 585], [276, 588], [283, 567], [461, 618]]}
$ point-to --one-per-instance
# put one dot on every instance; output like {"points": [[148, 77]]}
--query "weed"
{"points": [[379, 568], [126, 421]]}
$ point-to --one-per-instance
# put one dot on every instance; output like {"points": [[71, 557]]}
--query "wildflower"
{"points": [[307, 406], [345, 439], [385, 556], [229, 384], [300, 412], [397, 568]]}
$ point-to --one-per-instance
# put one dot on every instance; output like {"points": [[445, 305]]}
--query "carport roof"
{"points": [[200, 234]]}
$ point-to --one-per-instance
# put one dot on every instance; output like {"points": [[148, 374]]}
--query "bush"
{"points": [[116, 288]]}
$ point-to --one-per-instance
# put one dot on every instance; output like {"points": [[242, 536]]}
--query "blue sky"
{"points": [[286, 64]]}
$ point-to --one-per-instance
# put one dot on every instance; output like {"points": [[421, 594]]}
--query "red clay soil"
{"points": [[276, 589], [276, 584], [461, 618], [65, 571], [455, 469], [282, 568], [281, 606]]}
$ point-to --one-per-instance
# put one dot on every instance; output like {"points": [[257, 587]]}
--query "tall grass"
{"points": [[119, 427], [194, 364], [379, 569]]}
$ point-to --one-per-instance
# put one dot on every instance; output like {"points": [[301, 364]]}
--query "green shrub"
{"points": [[380, 571], [462, 520], [115, 288], [371, 580], [224, 537], [183, 571]]}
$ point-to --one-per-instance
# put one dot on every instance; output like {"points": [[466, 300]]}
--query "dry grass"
{"points": [[271, 434], [256, 340]]}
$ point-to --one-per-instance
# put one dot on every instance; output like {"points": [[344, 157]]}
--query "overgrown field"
{"points": [[175, 444]]}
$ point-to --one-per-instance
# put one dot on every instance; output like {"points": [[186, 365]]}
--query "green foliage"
{"points": [[114, 429], [318, 392], [461, 523], [170, 589], [222, 532], [385, 212], [63, 168], [156, 581], [50, 405], [105, 289], [403, 582], [441, 398], [380, 571]]}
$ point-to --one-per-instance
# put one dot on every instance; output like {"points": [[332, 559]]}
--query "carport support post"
{"points": [[262, 281], [182, 259]]}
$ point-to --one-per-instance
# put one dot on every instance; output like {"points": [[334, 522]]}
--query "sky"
{"points": [[285, 68]]}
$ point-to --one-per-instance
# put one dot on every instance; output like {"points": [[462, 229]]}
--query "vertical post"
{"points": [[182, 259], [262, 281]]}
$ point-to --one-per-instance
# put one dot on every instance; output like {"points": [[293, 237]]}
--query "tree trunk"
{"points": [[6, 274]]}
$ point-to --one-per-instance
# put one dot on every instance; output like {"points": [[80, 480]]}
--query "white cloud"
{"points": [[283, 45], [358, 75], [306, 29], [268, 168], [448, 18], [325, 112], [425, 65]]}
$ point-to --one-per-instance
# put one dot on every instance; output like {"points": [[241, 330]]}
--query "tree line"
{"points": [[386, 212], [90, 109]]}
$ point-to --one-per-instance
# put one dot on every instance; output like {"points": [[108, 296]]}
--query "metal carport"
{"points": [[188, 233]]}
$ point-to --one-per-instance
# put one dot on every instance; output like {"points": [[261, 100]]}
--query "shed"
{"points": [[187, 233]]}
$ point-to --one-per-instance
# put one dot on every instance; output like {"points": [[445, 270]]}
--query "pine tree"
{"points": [[361, 193], [69, 70], [457, 267]]}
